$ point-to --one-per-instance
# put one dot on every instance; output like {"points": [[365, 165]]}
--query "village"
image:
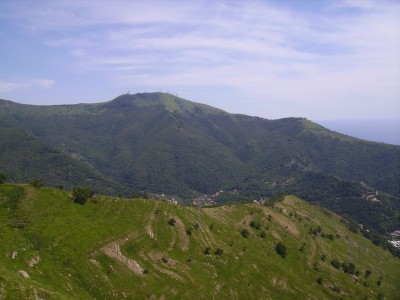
{"points": [[394, 238]]}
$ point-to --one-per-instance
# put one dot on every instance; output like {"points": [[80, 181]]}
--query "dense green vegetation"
{"points": [[158, 143], [115, 248]]}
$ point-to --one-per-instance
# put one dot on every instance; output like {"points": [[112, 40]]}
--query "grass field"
{"points": [[115, 248]]}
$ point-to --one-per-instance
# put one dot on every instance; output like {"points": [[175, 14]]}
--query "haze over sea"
{"points": [[386, 131]]}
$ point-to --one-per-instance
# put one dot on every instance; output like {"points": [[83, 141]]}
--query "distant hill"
{"points": [[159, 143], [115, 248]]}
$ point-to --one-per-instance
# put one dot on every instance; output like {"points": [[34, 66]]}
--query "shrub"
{"points": [[335, 263], [349, 268], [171, 222], [263, 235], [320, 280], [330, 236], [256, 225], [281, 249], [207, 250], [36, 182], [219, 252], [189, 231], [81, 195], [367, 273], [245, 233]]}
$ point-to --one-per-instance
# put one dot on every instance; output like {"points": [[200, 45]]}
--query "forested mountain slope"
{"points": [[155, 142]]}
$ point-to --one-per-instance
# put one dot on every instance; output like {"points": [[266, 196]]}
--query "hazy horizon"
{"points": [[385, 131]]}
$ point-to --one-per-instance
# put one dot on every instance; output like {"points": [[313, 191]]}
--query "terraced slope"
{"points": [[115, 248]]}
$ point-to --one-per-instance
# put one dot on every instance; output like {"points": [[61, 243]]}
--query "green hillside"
{"points": [[115, 248]]}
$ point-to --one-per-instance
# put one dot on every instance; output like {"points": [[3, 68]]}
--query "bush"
{"points": [[349, 268], [81, 195], [219, 252], [245, 233], [320, 280], [256, 225], [330, 236], [36, 182], [171, 222], [281, 249], [335, 263], [207, 250], [263, 235]]}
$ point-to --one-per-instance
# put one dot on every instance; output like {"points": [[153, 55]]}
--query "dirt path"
{"points": [[149, 228], [113, 250], [183, 237], [313, 252]]}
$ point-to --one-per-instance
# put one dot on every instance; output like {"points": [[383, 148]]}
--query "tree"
{"points": [[36, 182], [80, 195], [281, 249], [2, 178]]}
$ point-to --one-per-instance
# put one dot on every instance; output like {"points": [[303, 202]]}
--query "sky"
{"points": [[323, 60]]}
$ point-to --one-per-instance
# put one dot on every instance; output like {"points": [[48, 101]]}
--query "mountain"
{"points": [[159, 143], [116, 248]]}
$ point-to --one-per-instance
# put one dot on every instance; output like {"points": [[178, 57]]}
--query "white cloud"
{"points": [[9, 86], [335, 58]]}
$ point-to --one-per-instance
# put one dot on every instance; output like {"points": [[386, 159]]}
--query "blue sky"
{"points": [[313, 59]]}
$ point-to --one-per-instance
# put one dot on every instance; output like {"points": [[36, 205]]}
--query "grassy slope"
{"points": [[70, 241]]}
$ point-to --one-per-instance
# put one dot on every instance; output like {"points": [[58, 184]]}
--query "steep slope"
{"points": [[114, 248], [163, 144], [23, 157]]}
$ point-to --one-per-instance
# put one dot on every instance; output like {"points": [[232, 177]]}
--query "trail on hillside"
{"points": [[183, 237], [113, 250], [149, 228]]}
